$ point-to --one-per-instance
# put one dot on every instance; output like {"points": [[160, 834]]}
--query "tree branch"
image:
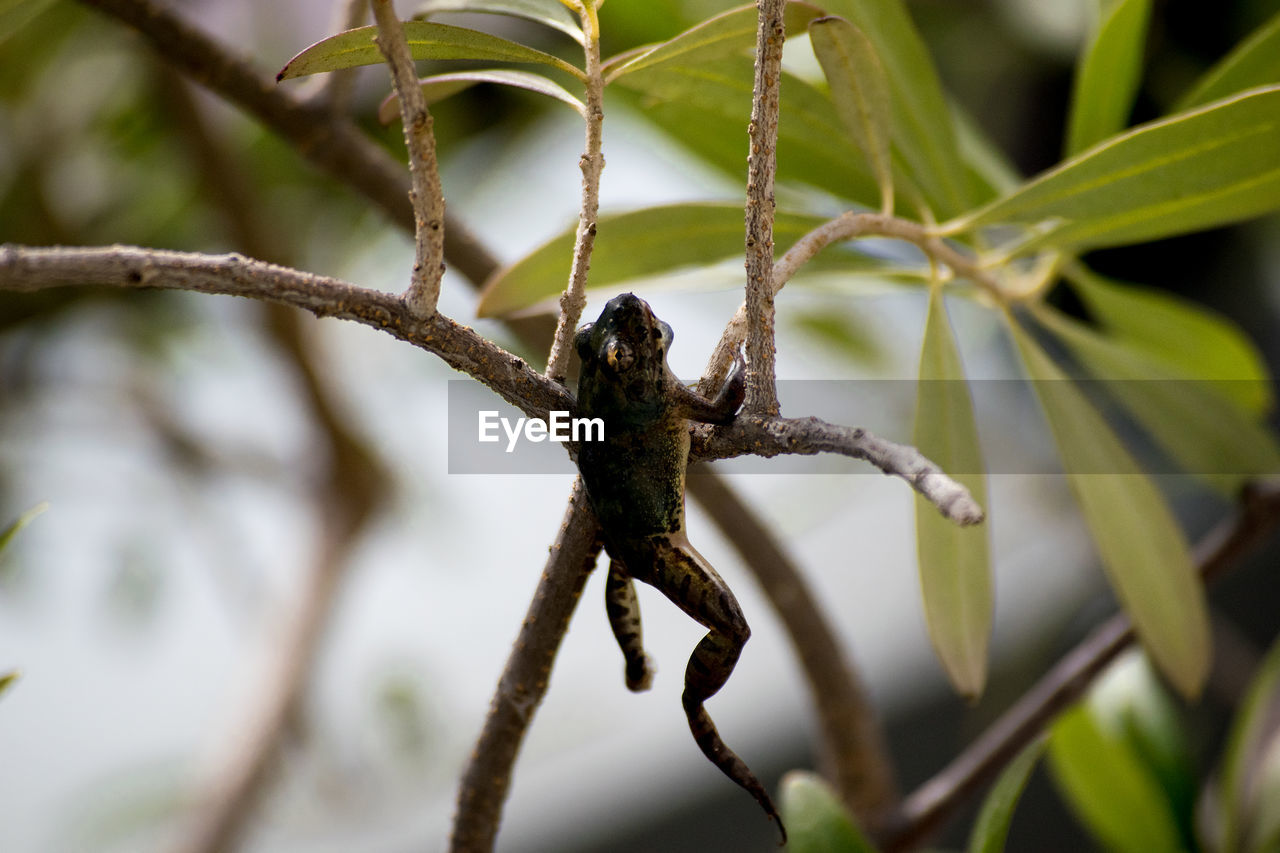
{"points": [[425, 196], [853, 750], [771, 437], [26, 269], [846, 226], [930, 805], [762, 161], [332, 144], [524, 680], [574, 298]]}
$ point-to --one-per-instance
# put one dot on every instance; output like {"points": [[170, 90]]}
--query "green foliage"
{"points": [[955, 562], [1142, 547], [1108, 75], [440, 86], [1246, 803], [551, 13], [860, 92], [1209, 167], [426, 40], [816, 820], [992, 826], [1255, 62], [634, 245], [1110, 785]]}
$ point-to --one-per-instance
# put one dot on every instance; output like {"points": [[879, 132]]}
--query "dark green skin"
{"points": [[635, 480]]}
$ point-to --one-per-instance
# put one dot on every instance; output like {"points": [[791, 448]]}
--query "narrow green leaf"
{"points": [[992, 826], [634, 245], [860, 92], [1210, 167], [955, 563], [1108, 787], [1188, 338], [7, 680], [1264, 835], [551, 13], [730, 33], [20, 522], [703, 107], [922, 124], [1143, 550], [816, 820], [1108, 74], [1254, 62], [1203, 430], [16, 14], [426, 41], [1253, 725], [441, 86]]}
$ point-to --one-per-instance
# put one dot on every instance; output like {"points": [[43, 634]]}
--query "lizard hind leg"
{"points": [[689, 581], [623, 609]]}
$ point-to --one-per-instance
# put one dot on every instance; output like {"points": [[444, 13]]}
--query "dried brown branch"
{"points": [[484, 784], [331, 143], [853, 751], [426, 196], [770, 437], [574, 298], [930, 805], [25, 269], [762, 161]]}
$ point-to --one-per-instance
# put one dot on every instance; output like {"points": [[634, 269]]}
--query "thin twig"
{"points": [[425, 195], [574, 298], [854, 752], [930, 805], [762, 161], [770, 437], [484, 783], [846, 226], [330, 142]]}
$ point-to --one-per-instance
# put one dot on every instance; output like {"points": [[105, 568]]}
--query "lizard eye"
{"points": [[619, 355]]}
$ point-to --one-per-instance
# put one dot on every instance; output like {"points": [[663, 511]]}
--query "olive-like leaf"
{"points": [[1143, 550], [923, 132], [1189, 339], [6, 536], [727, 34], [860, 92], [703, 105], [426, 41], [1107, 785], [955, 562], [1108, 74], [992, 826], [816, 820], [1254, 62], [1203, 430], [440, 86], [1208, 167], [1253, 726], [633, 245], [551, 13]]}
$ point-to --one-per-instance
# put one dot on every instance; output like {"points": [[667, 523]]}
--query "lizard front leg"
{"points": [[623, 609], [685, 577]]}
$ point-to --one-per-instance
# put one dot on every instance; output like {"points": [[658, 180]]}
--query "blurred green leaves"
{"points": [[1108, 74]]}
